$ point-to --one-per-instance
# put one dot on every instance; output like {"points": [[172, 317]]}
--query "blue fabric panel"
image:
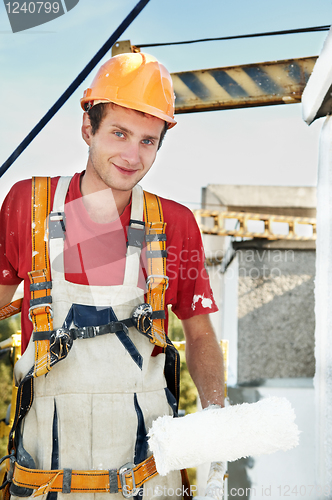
{"points": [[90, 315], [141, 445], [171, 401], [55, 451], [69, 319], [81, 315], [131, 348]]}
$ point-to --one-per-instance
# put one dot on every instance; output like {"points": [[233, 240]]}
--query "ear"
{"points": [[86, 129]]}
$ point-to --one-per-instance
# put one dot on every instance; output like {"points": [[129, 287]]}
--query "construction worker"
{"points": [[95, 349]]}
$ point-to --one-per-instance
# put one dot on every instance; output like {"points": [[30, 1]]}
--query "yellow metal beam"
{"points": [[259, 84]]}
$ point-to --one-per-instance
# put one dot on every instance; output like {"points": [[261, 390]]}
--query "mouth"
{"points": [[125, 171]]}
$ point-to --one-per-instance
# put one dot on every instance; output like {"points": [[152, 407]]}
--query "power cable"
{"points": [[234, 37], [74, 85]]}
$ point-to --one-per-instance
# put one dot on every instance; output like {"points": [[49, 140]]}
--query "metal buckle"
{"points": [[57, 225], [142, 318], [40, 305], [125, 469], [162, 276]]}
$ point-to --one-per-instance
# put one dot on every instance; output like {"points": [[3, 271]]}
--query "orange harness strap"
{"points": [[40, 311], [157, 281], [125, 479], [10, 309]]}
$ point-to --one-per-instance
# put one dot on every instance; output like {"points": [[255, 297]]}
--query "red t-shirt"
{"points": [[95, 253]]}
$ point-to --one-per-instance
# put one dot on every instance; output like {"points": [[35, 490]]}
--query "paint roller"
{"points": [[223, 435]]}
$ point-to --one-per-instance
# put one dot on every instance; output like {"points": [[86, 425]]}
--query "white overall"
{"points": [[101, 397]]}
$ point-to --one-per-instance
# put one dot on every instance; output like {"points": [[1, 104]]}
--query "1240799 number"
{"points": [[33, 7], [303, 490]]}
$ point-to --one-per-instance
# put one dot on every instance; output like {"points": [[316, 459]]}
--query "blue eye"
{"points": [[119, 134], [147, 141]]}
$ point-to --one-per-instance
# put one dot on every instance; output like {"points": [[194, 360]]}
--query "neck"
{"points": [[103, 205]]}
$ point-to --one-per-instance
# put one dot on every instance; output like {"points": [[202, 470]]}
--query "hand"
{"points": [[215, 482]]}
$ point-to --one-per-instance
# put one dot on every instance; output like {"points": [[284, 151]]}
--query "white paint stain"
{"points": [[205, 302], [34, 253], [5, 273]]}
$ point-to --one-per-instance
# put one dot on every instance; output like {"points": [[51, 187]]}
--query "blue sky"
{"points": [[267, 146]]}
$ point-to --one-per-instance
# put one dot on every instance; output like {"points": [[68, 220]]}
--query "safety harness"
{"points": [[52, 346], [127, 480]]}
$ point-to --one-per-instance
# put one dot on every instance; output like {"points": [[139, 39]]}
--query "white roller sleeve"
{"points": [[223, 434]]}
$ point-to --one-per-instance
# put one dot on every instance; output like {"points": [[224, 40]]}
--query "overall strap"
{"points": [[57, 223], [157, 281], [135, 238], [40, 312]]}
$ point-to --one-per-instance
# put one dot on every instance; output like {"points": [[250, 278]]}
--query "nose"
{"points": [[131, 153]]}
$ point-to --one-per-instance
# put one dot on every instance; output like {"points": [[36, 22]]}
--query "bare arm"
{"points": [[204, 359], [6, 294]]}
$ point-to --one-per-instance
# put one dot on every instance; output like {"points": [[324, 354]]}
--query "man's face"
{"points": [[123, 149]]}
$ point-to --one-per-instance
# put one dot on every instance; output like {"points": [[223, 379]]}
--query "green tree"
{"points": [[188, 391], [7, 328]]}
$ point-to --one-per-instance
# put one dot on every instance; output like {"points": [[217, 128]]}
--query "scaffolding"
{"points": [[293, 226]]}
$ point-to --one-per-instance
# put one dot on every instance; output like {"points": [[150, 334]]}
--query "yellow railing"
{"points": [[243, 218]]}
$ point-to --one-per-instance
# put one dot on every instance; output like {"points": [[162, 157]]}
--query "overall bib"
{"points": [[93, 409]]}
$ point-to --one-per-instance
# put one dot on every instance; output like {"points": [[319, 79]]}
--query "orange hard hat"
{"points": [[136, 81]]}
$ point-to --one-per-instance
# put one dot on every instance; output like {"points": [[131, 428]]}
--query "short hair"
{"points": [[97, 114]]}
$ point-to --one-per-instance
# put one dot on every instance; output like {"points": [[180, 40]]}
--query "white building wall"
{"points": [[323, 310], [229, 316]]}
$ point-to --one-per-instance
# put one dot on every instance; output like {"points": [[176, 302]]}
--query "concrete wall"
{"points": [[276, 321]]}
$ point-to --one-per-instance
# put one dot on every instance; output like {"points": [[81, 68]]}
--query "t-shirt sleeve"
{"points": [[190, 293], [12, 218]]}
